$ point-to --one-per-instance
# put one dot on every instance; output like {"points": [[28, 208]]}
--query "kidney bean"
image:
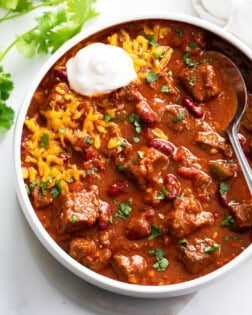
{"points": [[145, 112], [118, 188], [164, 146], [63, 156], [172, 187], [62, 74], [104, 215], [193, 108], [241, 139]]}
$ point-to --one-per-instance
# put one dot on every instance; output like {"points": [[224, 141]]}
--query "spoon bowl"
{"points": [[237, 81]]}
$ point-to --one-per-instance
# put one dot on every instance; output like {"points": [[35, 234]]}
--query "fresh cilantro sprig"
{"points": [[155, 232], [162, 262]]}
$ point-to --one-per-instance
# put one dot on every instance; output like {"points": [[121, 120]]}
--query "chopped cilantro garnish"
{"points": [[151, 40], [151, 77], [134, 119], [192, 81], [223, 187], [95, 169], [155, 232], [50, 179], [162, 194], [124, 210], [74, 219], [140, 154], [33, 184], [232, 202], [211, 249], [179, 32], [164, 89], [136, 139], [44, 140], [61, 130], [193, 45], [169, 73], [225, 239], [120, 167], [179, 118], [235, 238], [229, 221], [107, 117], [88, 173], [43, 186], [187, 59], [155, 55], [111, 219], [134, 161], [88, 140], [183, 242], [162, 263], [114, 201], [56, 190], [27, 188]]}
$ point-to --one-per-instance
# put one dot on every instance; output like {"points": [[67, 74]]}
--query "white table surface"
{"points": [[31, 281]]}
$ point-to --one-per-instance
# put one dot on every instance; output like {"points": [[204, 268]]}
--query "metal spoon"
{"points": [[236, 79]]}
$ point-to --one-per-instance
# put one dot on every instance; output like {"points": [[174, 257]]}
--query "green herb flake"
{"points": [[88, 173], [107, 117], [95, 169], [211, 249], [33, 184], [74, 219], [235, 238], [192, 81], [136, 139], [151, 40], [225, 239], [169, 73], [223, 187], [162, 262], [229, 221], [44, 140], [140, 154], [56, 190], [155, 232], [164, 89], [111, 219], [124, 210], [114, 201], [155, 55], [27, 188], [183, 242], [120, 167], [134, 161], [43, 186], [50, 179], [188, 61], [61, 130], [178, 118], [232, 202], [134, 119], [179, 32], [193, 45], [151, 77], [88, 140], [162, 193]]}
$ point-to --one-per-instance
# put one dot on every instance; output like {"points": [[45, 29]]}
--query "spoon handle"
{"points": [[246, 170]]}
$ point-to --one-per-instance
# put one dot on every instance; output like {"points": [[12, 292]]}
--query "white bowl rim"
{"points": [[106, 283]]}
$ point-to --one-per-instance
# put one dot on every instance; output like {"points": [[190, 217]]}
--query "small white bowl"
{"points": [[115, 286]]}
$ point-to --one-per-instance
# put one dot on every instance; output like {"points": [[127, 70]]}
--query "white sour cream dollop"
{"points": [[100, 68]]}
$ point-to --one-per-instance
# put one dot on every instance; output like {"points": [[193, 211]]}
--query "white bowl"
{"points": [[145, 291]]}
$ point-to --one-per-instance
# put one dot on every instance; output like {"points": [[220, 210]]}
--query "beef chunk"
{"points": [[41, 200], [185, 157], [205, 82], [187, 217], [77, 210], [214, 141], [138, 227], [243, 214], [86, 253], [222, 170], [200, 179], [176, 117], [145, 166], [193, 254], [130, 268]]}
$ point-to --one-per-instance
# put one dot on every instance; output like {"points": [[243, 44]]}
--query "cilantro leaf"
{"points": [[211, 249], [56, 190], [223, 187], [124, 210], [134, 119], [6, 84], [229, 221], [155, 232], [151, 40], [151, 76], [162, 194], [6, 117], [162, 263], [44, 140], [178, 118]]}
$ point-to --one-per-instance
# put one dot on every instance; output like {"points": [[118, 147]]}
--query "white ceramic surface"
{"points": [[52, 247]]}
